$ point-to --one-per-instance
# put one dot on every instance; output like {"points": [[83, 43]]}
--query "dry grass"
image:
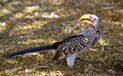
{"points": [[39, 16]]}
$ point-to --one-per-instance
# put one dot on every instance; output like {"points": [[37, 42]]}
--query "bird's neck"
{"points": [[89, 31]]}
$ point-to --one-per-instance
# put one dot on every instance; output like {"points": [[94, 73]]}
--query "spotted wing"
{"points": [[69, 47]]}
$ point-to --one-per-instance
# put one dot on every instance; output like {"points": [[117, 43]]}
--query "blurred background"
{"points": [[30, 23]]}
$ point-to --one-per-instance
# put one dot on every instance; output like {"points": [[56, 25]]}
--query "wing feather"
{"points": [[74, 45]]}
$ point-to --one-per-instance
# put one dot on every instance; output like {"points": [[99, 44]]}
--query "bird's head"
{"points": [[90, 19]]}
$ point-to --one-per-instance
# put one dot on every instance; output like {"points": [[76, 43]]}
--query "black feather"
{"points": [[28, 50]]}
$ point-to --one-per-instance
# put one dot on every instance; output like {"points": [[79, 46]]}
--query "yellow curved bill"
{"points": [[86, 16], [86, 21]]}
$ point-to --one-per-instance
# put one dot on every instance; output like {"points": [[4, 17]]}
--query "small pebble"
{"points": [[3, 24], [19, 42]]}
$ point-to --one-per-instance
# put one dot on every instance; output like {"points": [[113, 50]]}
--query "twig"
{"points": [[7, 32], [120, 51], [91, 70], [102, 50], [50, 74]]}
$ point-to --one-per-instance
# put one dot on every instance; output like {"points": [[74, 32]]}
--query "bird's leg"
{"points": [[77, 69], [70, 62], [83, 61], [51, 55]]}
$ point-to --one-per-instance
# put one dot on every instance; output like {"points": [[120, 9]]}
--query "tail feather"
{"points": [[28, 50]]}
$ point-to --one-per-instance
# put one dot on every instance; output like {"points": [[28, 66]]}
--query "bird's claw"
{"points": [[77, 70]]}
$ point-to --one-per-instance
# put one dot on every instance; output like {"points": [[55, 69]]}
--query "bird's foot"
{"points": [[77, 70]]}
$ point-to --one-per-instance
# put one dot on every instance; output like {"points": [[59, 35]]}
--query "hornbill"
{"points": [[70, 47]]}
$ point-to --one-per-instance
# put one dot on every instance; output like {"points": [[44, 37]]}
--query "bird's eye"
{"points": [[93, 20]]}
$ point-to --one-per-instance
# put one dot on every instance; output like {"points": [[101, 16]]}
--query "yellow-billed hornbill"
{"points": [[73, 45]]}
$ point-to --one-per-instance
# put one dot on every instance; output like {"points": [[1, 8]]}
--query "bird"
{"points": [[72, 46]]}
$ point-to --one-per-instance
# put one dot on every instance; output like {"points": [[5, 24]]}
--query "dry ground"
{"points": [[39, 22]]}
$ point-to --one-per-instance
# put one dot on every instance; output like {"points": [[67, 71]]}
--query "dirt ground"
{"points": [[30, 23]]}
